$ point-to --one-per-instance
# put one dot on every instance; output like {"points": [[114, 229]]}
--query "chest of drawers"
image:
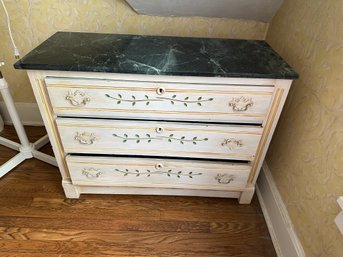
{"points": [[157, 132]]}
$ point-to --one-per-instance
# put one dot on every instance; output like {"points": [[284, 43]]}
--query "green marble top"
{"points": [[157, 55]]}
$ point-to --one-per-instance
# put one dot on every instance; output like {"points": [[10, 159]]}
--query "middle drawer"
{"points": [[97, 136]]}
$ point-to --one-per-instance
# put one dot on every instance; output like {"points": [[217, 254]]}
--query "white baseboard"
{"points": [[28, 113], [284, 238]]}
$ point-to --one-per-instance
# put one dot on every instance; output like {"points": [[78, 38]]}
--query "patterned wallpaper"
{"points": [[306, 154], [35, 20]]}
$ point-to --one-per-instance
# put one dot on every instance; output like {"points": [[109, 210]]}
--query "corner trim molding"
{"points": [[339, 218], [28, 113], [285, 240]]}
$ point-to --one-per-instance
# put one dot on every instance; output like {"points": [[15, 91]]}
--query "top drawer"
{"points": [[158, 100]]}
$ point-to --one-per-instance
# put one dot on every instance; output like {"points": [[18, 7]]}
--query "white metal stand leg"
{"points": [[25, 148]]}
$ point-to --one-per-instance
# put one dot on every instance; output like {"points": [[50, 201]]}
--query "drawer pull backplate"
{"points": [[241, 104], [224, 178], [91, 173], [78, 98], [85, 138], [232, 143]]}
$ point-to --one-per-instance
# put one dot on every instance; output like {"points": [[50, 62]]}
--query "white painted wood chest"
{"points": [[130, 133]]}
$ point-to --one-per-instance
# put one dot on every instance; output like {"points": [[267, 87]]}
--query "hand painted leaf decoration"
{"points": [[199, 98]]}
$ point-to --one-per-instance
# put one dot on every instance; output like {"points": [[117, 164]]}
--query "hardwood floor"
{"points": [[37, 220]]}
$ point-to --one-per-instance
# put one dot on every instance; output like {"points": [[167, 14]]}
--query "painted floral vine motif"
{"points": [[148, 173], [150, 138], [186, 101]]}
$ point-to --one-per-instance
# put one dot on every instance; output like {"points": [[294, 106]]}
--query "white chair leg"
{"points": [[12, 163], [9, 143], [41, 142], [44, 157], [26, 150]]}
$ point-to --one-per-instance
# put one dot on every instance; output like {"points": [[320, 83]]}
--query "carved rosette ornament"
{"points": [[241, 104], [77, 98], [91, 172], [85, 138], [224, 178], [232, 143]]}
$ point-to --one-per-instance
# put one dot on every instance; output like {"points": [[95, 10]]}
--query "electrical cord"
{"points": [[15, 49]]}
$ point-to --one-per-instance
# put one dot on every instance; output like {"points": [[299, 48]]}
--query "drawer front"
{"points": [[152, 100], [146, 172], [158, 138]]}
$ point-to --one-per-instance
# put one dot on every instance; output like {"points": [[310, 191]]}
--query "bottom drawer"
{"points": [[150, 172]]}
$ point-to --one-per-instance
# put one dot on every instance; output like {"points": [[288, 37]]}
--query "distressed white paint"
{"points": [[96, 136], [179, 101], [63, 136], [152, 172], [261, 10]]}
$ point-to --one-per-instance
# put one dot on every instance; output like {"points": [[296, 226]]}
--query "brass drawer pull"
{"points": [[224, 178], [85, 138], [77, 98], [241, 104]]}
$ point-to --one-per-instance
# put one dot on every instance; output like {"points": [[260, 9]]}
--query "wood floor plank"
{"points": [[37, 220], [112, 225]]}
